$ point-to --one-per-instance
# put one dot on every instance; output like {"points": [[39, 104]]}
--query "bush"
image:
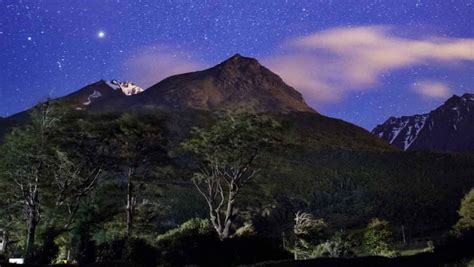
{"points": [[379, 238], [309, 234], [247, 230], [190, 243], [48, 251], [466, 214], [87, 252], [195, 242], [340, 245], [135, 252]]}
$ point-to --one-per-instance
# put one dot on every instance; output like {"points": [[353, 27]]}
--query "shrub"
{"points": [[47, 252], [309, 234], [378, 238], [466, 214], [136, 252], [247, 230], [196, 243], [190, 243], [340, 245]]}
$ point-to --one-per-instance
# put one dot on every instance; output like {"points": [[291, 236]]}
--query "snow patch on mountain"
{"points": [[127, 88], [403, 130], [95, 94], [397, 129], [418, 126]]}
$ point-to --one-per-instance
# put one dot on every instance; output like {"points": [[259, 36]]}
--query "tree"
{"points": [[28, 160], [133, 145], [42, 180], [309, 233], [226, 155], [466, 214]]}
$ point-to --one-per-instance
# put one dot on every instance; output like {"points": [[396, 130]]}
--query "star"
{"points": [[101, 34]]}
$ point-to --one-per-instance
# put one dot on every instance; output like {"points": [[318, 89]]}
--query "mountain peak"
{"points": [[236, 56], [236, 83], [239, 61]]}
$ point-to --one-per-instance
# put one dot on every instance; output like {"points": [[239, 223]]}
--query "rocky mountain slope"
{"points": [[237, 83], [450, 127]]}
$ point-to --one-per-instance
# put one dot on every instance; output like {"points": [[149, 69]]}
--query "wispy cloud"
{"points": [[151, 64], [431, 89], [327, 65]]}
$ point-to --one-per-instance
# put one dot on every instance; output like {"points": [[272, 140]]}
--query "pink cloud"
{"points": [[154, 63], [431, 89], [327, 65]]}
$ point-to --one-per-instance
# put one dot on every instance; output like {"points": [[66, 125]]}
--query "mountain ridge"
{"points": [[236, 83], [449, 127]]}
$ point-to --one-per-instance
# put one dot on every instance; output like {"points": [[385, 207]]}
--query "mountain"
{"points": [[237, 83], [450, 127]]}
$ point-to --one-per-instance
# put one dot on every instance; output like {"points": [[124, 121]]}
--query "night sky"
{"points": [[359, 60]]}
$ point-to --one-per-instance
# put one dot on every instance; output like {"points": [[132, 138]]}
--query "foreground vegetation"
{"points": [[147, 188]]}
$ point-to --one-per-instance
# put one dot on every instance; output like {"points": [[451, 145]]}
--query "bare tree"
{"points": [[227, 154]]}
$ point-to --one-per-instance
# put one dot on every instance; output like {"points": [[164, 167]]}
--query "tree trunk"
{"points": [[130, 207], [229, 214], [30, 240], [3, 246]]}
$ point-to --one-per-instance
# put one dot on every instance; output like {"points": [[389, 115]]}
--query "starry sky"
{"points": [[359, 60]]}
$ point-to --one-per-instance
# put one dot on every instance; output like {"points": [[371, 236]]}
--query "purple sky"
{"points": [[358, 60]]}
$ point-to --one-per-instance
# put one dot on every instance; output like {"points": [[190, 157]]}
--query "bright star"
{"points": [[101, 34]]}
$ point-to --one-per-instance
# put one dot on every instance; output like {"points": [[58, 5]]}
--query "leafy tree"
{"points": [[28, 164], [227, 154], [466, 213], [379, 238], [133, 145], [43, 182]]}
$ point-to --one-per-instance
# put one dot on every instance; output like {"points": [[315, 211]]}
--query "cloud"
{"points": [[431, 89], [326, 65], [152, 64]]}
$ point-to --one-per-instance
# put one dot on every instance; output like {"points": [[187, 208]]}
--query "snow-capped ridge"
{"points": [[128, 88], [449, 127]]}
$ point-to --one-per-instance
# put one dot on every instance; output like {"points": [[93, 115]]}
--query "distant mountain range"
{"points": [[241, 83], [449, 127]]}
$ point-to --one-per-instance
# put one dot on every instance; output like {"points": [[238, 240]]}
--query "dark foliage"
{"points": [[48, 251], [194, 242], [135, 252]]}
